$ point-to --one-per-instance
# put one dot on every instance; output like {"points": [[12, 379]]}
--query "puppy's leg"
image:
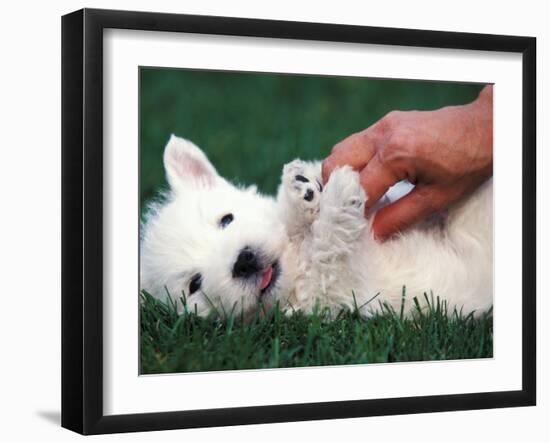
{"points": [[323, 275], [299, 196], [336, 235]]}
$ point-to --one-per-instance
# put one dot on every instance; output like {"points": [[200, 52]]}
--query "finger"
{"points": [[376, 179], [356, 151], [405, 212]]}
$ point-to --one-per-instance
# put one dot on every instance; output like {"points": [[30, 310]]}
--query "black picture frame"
{"points": [[82, 220]]}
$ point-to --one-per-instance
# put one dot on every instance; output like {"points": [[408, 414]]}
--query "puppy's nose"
{"points": [[247, 264]]}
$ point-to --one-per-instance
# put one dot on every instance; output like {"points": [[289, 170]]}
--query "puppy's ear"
{"points": [[187, 166]]}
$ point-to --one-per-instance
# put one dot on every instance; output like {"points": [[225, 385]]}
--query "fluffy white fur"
{"points": [[310, 251]]}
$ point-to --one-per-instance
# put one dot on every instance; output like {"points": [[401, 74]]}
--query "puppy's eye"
{"points": [[225, 220], [195, 283]]}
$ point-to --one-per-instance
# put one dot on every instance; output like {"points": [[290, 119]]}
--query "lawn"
{"points": [[188, 343], [250, 125]]}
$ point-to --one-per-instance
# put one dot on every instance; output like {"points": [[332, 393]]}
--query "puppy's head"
{"points": [[216, 244]]}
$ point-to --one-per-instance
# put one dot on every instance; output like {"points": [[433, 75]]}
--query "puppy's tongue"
{"points": [[266, 277]]}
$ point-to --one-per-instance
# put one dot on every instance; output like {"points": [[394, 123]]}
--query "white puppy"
{"points": [[228, 248]]}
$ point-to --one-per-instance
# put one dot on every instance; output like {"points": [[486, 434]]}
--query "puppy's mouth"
{"points": [[269, 277]]}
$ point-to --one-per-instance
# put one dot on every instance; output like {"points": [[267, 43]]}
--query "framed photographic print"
{"points": [[269, 221]]}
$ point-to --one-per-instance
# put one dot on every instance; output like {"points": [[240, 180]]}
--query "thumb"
{"points": [[421, 202]]}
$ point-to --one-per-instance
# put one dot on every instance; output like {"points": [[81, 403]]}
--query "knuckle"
{"points": [[381, 127], [398, 143], [391, 122], [393, 115], [365, 138], [391, 119], [397, 149]]}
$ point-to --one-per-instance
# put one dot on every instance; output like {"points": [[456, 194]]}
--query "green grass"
{"points": [[188, 343]]}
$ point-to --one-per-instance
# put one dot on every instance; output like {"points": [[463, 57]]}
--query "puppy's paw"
{"points": [[303, 187], [345, 193]]}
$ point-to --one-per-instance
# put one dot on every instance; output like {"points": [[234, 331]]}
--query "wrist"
{"points": [[481, 114]]}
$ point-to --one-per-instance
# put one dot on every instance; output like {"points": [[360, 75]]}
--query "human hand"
{"points": [[446, 153]]}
